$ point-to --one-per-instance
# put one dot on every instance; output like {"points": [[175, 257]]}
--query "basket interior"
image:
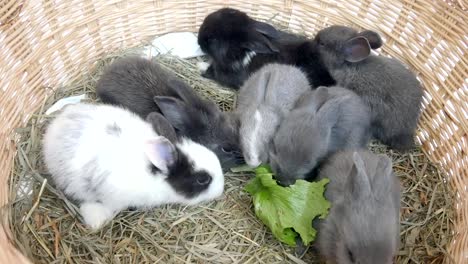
{"points": [[46, 45]]}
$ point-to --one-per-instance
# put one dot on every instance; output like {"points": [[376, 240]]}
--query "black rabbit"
{"points": [[239, 45]]}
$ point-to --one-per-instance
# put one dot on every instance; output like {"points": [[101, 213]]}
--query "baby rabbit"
{"points": [[239, 45], [143, 87], [363, 223], [392, 91], [263, 100], [108, 159], [322, 122]]}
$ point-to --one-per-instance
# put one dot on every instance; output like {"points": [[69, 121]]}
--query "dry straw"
{"points": [[49, 44], [47, 228]]}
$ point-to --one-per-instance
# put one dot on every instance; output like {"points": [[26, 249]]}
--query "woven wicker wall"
{"points": [[45, 44]]}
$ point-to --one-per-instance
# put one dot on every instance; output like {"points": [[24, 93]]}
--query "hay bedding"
{"points": [[47, 227]]}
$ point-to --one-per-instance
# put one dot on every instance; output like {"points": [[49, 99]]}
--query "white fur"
{"points": [[248, 58], [245, 61], [253, 160], [202, 159], [265, 97], [79, 151], [202, 66], [96, 214]]}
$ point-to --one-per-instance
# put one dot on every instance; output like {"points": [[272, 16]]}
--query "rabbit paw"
{"points": [[203, 66], [95, 214]]}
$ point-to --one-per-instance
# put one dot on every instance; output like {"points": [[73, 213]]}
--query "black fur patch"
{"points": [[185, 180], [154, 169], [310, 61]]}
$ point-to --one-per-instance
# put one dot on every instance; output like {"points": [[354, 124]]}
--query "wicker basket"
{"points": [[51, 43]]}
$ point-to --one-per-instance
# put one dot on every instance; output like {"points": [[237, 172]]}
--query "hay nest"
{"points": [[47, 227]]}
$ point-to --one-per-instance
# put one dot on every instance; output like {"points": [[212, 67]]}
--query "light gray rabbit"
{"points": [[323, 121], [263, 100], [390, 89], [363, 223]]}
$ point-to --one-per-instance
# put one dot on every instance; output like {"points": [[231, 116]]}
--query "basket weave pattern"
{"points": [[46, 44]]}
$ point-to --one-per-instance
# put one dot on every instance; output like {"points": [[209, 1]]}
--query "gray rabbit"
{"points": [[363, 223], [143, 87], [264, 99], [323, 121], [391, 90]]}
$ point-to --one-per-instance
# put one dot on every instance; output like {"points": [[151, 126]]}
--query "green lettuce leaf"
{"points": [[288, 211]]}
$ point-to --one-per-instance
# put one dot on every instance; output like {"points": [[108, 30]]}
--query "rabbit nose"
{"points": [[285, 182], [254, 163]]}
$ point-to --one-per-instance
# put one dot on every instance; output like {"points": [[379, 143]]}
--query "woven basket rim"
{"points": [[46, 44]]}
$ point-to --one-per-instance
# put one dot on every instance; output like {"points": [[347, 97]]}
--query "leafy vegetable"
{"points": [[288, 211]]}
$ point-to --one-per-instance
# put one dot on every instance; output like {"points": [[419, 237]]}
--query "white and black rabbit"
{"points": [[238, 45], [143, 87], [390, 89], [107, 159], [263, 101], [363, 223], [322, 122]]}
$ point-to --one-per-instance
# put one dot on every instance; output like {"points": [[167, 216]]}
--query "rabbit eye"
{"points": [[204, 179], [351, 256], [227, 149]]}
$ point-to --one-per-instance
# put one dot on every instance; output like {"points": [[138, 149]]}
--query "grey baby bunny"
{"points": [[262, 102], [143, 87], [363, 223], [323, 121], [391, 90]]}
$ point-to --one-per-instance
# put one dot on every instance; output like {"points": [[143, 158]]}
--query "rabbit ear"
{"points": [[384, 164], [266, 81], [181, 89], [161, 153], [260, 44], [375, 41], [327, 112], [161, 126], [266, 29], [233, 119], [175, 111], [259, 82], [382, 182], [320, 96], [358, 179], [356, 49]]}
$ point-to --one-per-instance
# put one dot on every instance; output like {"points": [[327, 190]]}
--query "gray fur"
{"points": [[113, 129], [390, 89], [162, 126], [364, 218], [324, 121], [264, 99], [135, 83]]}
